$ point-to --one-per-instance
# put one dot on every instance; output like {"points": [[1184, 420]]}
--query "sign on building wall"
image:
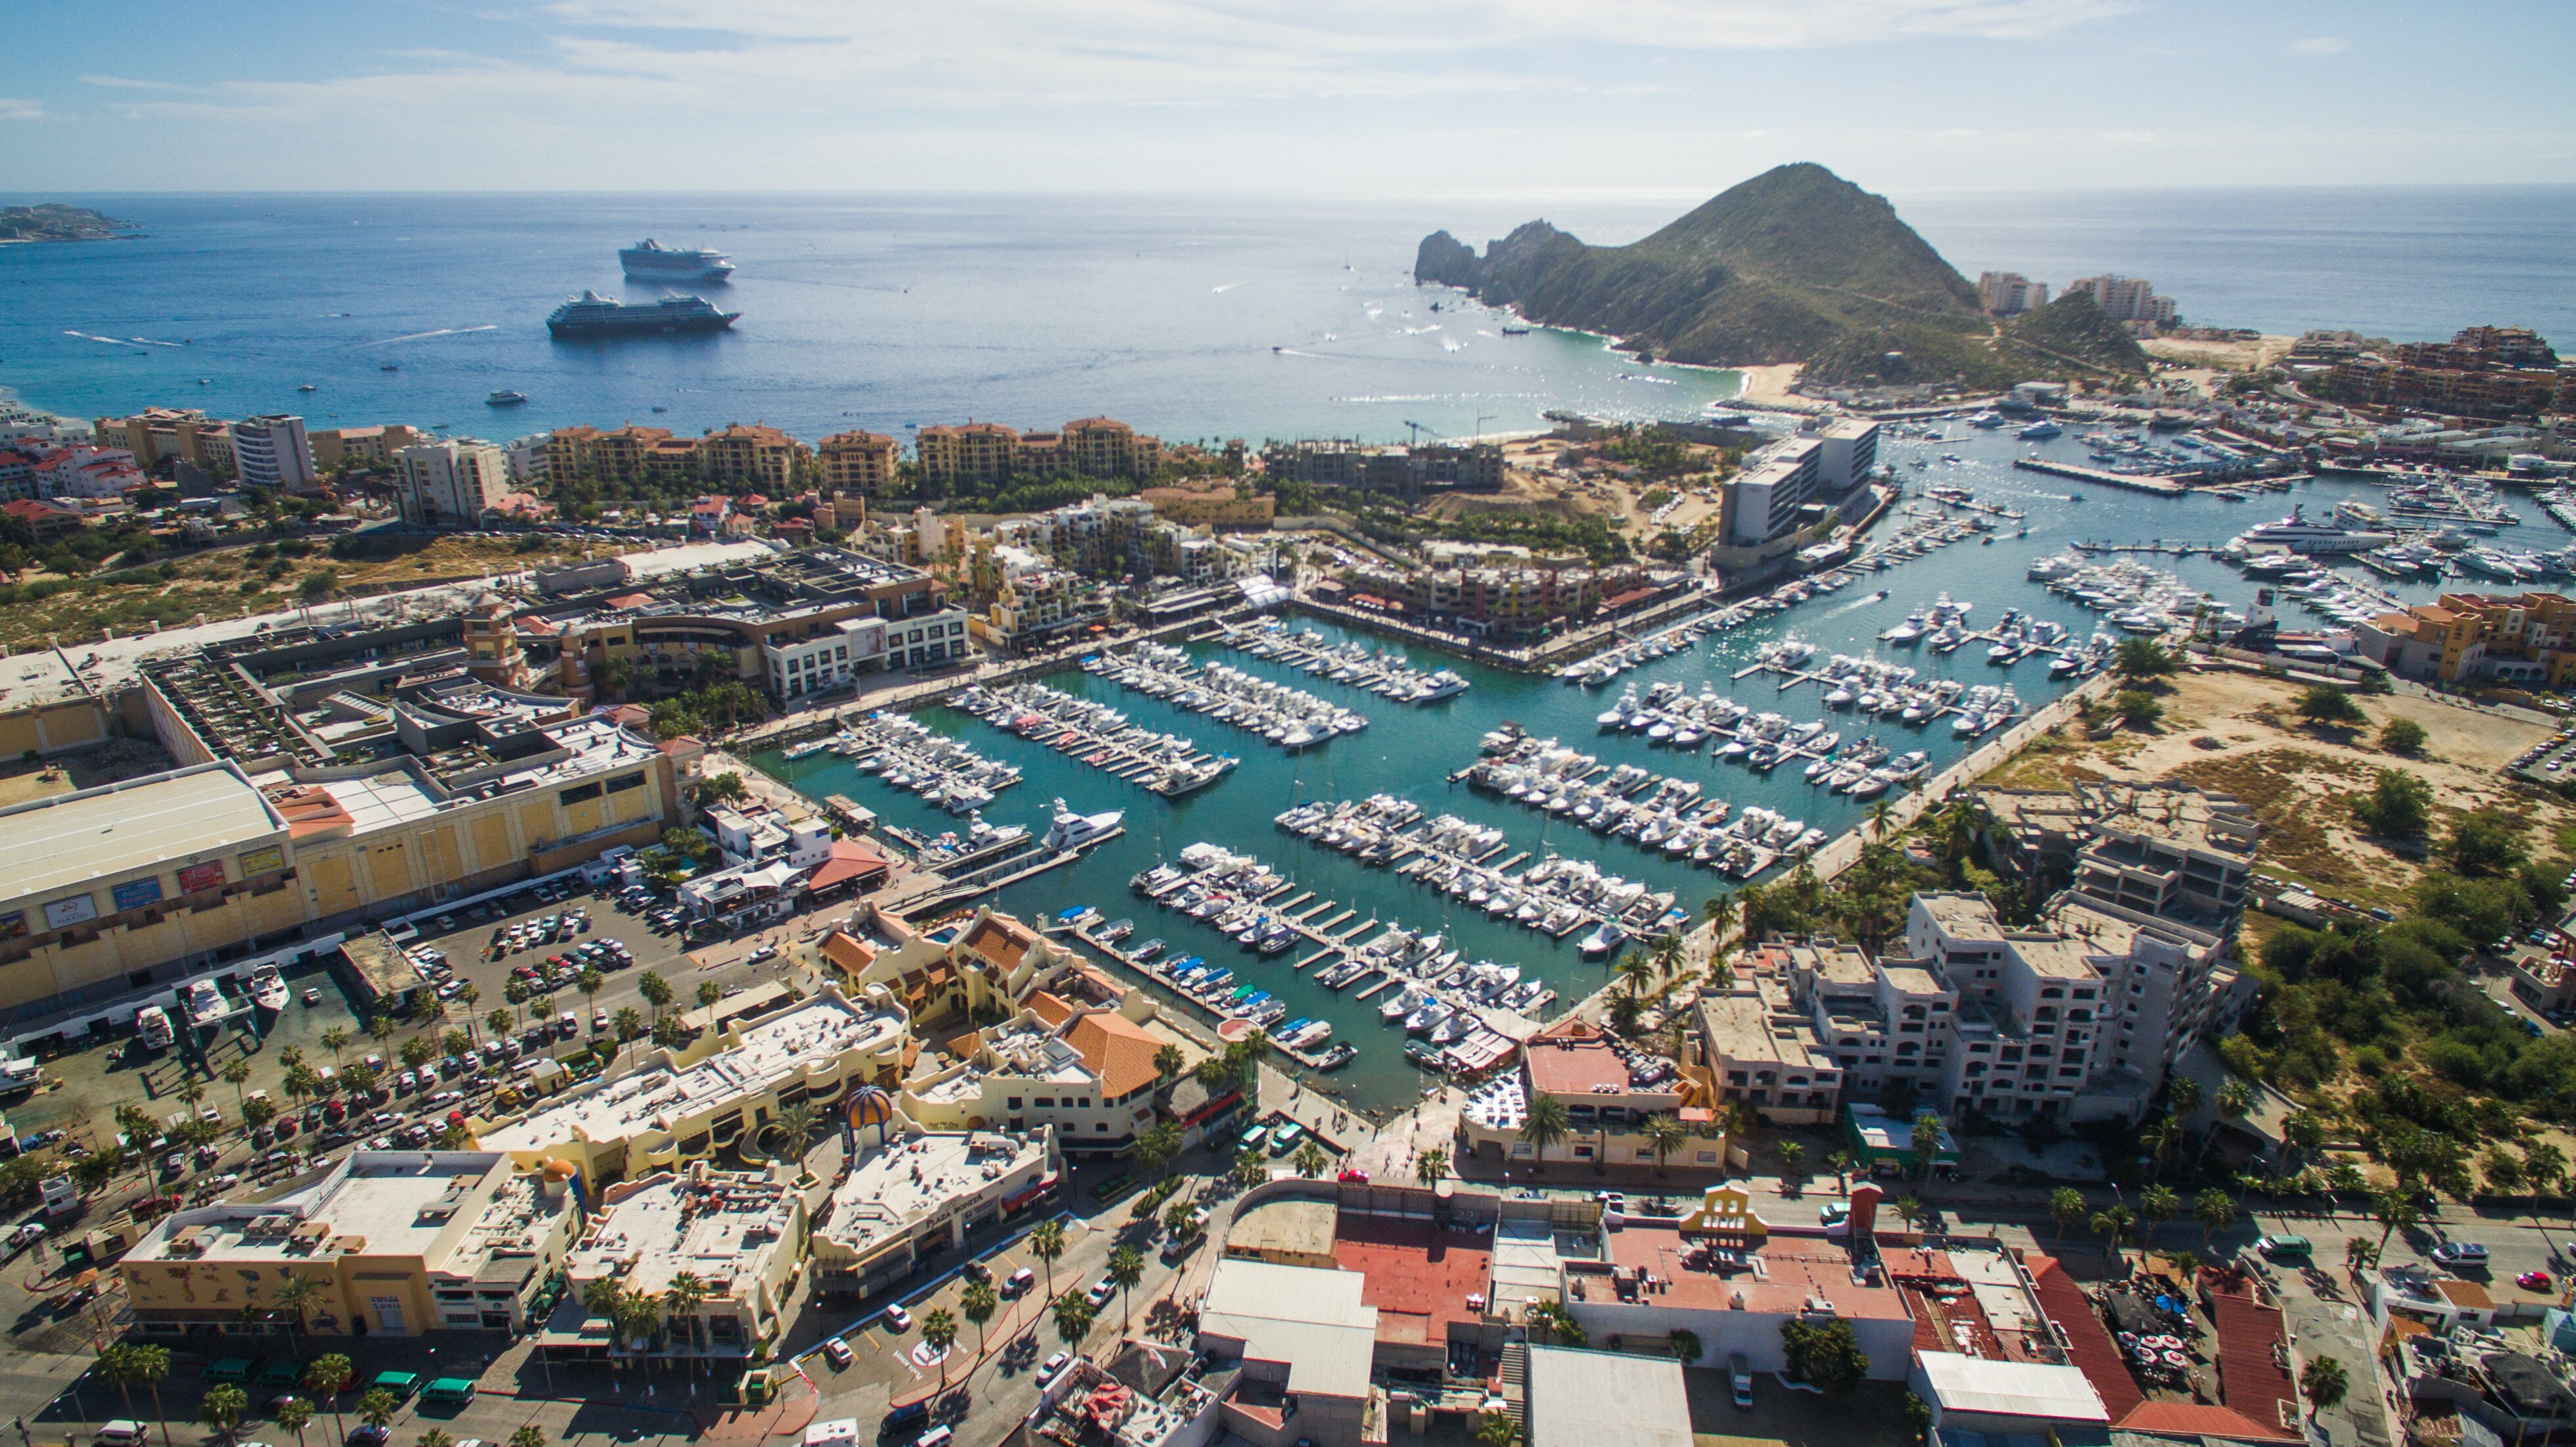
{"points": [[196, 877], [136, 893], [13, 925], [261, 861], [64, 913]]}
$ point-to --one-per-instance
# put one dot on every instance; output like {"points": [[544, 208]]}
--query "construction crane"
{"points": [[1414, 431]]}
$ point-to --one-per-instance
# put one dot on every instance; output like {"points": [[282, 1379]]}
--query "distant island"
{"points": [[1796, 265], [54, 221]]}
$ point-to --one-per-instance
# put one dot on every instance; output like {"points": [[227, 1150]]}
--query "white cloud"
{"points": [[121, 82], [2322, 45], [16, 108]]}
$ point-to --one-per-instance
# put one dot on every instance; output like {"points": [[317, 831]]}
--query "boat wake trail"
{"points": [[441, 332], [1231, 285], [1856, 606], [86, 337]]}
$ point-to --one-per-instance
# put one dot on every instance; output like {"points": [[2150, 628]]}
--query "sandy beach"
{"points": [[1769, 386]]}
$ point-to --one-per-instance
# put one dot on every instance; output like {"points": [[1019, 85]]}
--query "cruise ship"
{"points": [[593, 315], [671, 263], [2299, 535]]}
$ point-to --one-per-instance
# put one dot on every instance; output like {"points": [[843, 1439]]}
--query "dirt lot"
{"points": [[222, 583], [2238, 733], [2219, 356]]}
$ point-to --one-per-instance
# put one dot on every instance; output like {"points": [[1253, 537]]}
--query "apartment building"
{"points": [[1507, 601], [97, 473], [740, 1235], [1846, 455], [160, 434], [972, 454], [1403, 472], [399, 1243], [863, 464], [757, 456], [272, 451], [2125, 298], [1757, 1050], [449, 484], [1772, 497], [1888, 1024], [1036, 606], [615, 455], [375, 446], [530, 459], [2509, 637], [1609, 1093], [1089, 447], [2166, 850], [2009, 293]]}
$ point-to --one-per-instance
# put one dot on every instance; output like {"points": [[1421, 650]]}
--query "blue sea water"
{"points": [[1191, 318]]}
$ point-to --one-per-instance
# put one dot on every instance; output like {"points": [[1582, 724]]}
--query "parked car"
{"points": [[2460, 1253], [1048, 1369], [837, 1352], [1021, 1280], [2533, 1281], [898, 1318]]}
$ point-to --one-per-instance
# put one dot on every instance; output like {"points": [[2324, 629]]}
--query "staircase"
{"points": [[1516, 1384]]}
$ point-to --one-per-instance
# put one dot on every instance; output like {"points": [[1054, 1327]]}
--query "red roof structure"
{"points": [[852, 862], [2251, 1347], [2088, 1341]]}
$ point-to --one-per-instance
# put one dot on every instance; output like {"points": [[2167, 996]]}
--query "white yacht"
{"points": [[268, 988], [1073, 831]]}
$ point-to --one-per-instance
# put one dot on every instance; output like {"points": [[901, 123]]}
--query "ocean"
{"points": [[1193, 319]]}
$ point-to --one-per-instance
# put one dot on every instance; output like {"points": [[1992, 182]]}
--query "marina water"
{"points": [[1410, 751]]}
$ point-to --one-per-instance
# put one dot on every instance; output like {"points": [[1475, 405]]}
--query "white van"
{"points": [[120, 1433]]}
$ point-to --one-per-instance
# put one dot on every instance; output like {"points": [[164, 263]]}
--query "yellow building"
{"points": [[616, 455], [689, 1103], [741, 1235], [758, 455], [981, 453], [396, 1242], [862, 463]]}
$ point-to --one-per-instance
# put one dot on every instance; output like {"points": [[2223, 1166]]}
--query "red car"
{"points": [[1357, 1178], [2533, 1281]]}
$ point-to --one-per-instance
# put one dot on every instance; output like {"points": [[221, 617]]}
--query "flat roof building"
{"points": [[916, 1193], [1576, 1398], [400, 1242], [740, 1236]]}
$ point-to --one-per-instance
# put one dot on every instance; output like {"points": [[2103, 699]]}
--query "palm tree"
{"points": [[498, 1022], [298, 1295], [2156, 1206], [530, 1435], [294, 1414], [2360, 1253], [1841, 1161], [149, 1363], [2215, 1213], [1432, 1168], [1073, 1317], [236, 1075], [1046, 1243], [1496, 1429], [1168, 1062], [326, 1377], [2323, 1382], [380, 1028], [939, 1333], [2159, 1138], [1310, 1159], [2113, 1227], [2395, 1211], [1546, 1124], [977, 1303], [686, 1293], [222, 1407], [1250, 1168], [1793, 1154], [435, 1438], [1126, 1268], [1664, 1135], [377, 1407], [2182, 1096], [2235, 1102], [1636, 971], [335, 1040], [1914, 1211], [590, 983], [1924, 1140], [2065, 1207], [655, 990]]}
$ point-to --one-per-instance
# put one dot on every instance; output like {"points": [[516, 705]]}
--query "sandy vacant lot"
{"points": [[2238, 733]]}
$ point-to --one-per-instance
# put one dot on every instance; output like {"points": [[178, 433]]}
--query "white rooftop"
{"points": [[1962, 1383], [890, 1190], [378, 1203], [74, 840], [733, 1225], [1309, 1317], [661, 1097], [1578, 1398]]}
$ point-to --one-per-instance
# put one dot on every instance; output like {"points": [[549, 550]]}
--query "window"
{"points": [[1047, 1102], [629, 781], [1015, 1102], [579, 794], [1101, 1126]]}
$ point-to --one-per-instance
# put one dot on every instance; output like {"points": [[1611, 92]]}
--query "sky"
{"points": [[1357, 98]]}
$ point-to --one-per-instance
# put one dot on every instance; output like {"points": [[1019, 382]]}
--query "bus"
{"points": [[400, 1384], [1252, 1140], [448, 1392], [1286, 1138]]}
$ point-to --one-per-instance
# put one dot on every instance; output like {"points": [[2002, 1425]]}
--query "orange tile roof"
{"points": [[1050, 1008], [2197, 1419], [1118, 1050], [1000, 941], [848, 951], [311, 809]]}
